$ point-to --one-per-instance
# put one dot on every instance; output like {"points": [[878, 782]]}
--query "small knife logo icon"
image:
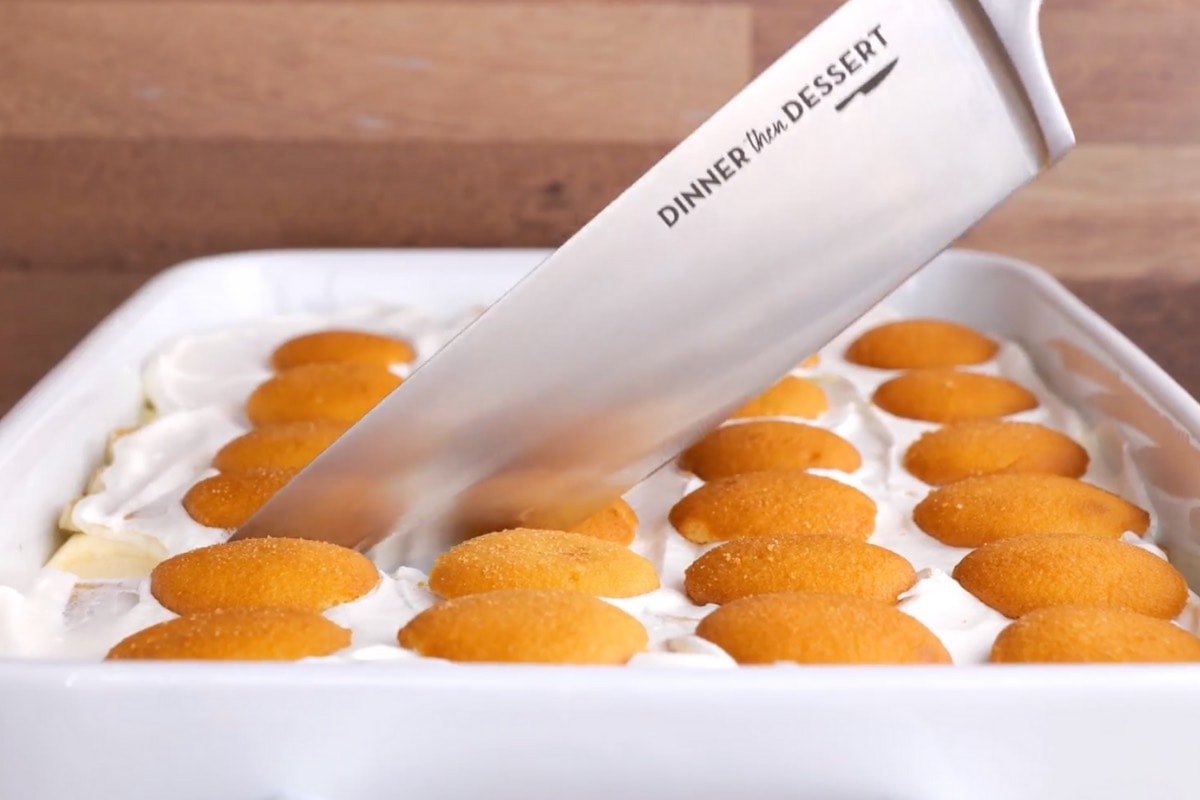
{"points": [[871, 85]]}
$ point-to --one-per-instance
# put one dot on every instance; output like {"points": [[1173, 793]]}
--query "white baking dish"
{"points": [[350, 731]]}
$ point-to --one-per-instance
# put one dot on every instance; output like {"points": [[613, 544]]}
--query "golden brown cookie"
{"points": [[765, 446], [228, 499], [949, 395], [338, 392], [288, 445], [773, 502], [812, 628], [616, 522], [920, 344], [987, 447], [245, 634], [325, 347], [544, 626], [1081, 634], [975, 511], [258, 573], [526, 558], [797, 562], [790, 397], [1025, 573]]}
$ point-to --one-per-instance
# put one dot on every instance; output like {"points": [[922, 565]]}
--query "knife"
{"points": [[844, 167]]}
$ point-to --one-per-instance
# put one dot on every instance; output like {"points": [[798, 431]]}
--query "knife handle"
{"points": [[1016, 25]]}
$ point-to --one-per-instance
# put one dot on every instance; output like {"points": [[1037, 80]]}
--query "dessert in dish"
{"points": [[324, 392], [1025, 573], [920, 344], [1083, 634], [336, 347], [792, 396], [987, 508], [814, 628], [226, 500], [543, 626], [262, 573], [952, 395], [989, 447], [760, 503], [768, 446], [249, 634], [288, 446], [805, 528], [616, 522], [523, 558], [797, 562]]}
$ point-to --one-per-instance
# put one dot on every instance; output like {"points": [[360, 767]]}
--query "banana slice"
{"points": [[97, 558]]}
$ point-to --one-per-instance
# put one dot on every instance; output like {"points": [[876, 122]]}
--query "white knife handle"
{"points": [[1016, 25]]}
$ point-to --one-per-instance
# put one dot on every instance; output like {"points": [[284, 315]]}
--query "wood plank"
{"points": [[42, 316], [1158, 315], [778, 26], [1127, 75], [400, 2], [1112, 211], [1106, 212], [1119, 5], [1057, 5], [137, 133], [142, 206], [1126, 71], [499, 71]]}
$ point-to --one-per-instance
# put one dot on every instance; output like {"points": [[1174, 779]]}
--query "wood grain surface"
{"points": [[137, 133]]}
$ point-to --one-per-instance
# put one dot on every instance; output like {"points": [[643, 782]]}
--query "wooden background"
{"points": [[135, 134]]}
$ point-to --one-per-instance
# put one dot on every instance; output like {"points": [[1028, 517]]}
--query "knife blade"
{"points": [[844, 167]]}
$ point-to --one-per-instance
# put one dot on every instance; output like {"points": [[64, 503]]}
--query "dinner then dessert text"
{"points": [[837, 73]]}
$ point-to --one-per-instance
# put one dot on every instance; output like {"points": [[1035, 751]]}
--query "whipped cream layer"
{"points": [[195, 390]]}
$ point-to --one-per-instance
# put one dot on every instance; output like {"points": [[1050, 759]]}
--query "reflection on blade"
{"points": [[780, 221]]}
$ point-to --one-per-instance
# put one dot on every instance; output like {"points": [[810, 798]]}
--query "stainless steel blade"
{"points": [[846, 166]]}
